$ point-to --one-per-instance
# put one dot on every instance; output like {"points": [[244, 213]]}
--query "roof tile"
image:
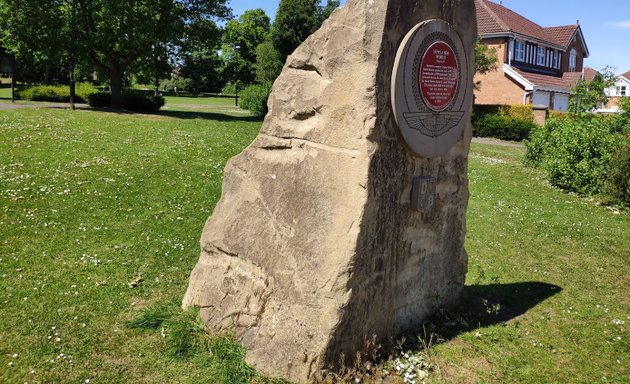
{"points": [[562, 35], [495, 18]]}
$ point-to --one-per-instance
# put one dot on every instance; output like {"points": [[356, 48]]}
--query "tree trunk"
{"points": [[116, 87], [47, 73]]}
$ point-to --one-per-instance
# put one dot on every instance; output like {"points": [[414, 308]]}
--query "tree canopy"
{"points": [[240, 39], [111, 35], [144, 40], [296, 20], [589, 95], [116, 34]]}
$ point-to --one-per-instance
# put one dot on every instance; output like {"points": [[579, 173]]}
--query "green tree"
{"points": [[268, 63], [485, 60], [112, 35], [203, 68], [240, 39], [589, 95], [27, 28], [295, 21], [325, 11], [117, 34]]}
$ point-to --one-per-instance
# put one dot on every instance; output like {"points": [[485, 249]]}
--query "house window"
{"points": [[621, 91], [540, 56], [520, 51], [556, 59], [572, 60]]}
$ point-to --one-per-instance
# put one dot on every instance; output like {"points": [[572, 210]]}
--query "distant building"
{"points": [[537, 65], [618, 91]]}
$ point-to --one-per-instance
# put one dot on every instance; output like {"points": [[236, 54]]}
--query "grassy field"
{"points": [[5, 93], [100, 217], [551, 270]]}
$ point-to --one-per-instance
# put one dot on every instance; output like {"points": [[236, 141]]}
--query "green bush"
{"points": [[139, 102], [506, 122], [618, 183], [229, 90], [502, 127], [521, 112], [57, 93], [575, 153], [100, 100], [558, 115], [181, 84], [132, 101], [518, 112], [254, 98]]}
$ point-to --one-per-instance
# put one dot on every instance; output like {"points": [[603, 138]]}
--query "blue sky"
{"points": [[605, 23]]}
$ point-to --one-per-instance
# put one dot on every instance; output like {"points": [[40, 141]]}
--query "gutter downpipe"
{"points": [[528, 93]]}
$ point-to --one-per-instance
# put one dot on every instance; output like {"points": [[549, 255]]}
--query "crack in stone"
{"points": [[305, 66], [330, 148]]}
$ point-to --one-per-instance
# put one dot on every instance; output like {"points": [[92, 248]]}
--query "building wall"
{"points": [[613, 102], [496, 87], [579, 63], [620, 82]]}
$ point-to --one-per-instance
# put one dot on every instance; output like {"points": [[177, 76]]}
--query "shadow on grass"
{"points": [[185, 115], [485, 305]]}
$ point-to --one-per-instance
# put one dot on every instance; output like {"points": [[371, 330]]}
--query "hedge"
{"points": [[521, 112], [131, 101], [505, 122], [57, 93]]}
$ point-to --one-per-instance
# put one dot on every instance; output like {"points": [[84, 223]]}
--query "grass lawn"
{"points": [[5, 93], [101, 213], [552, 271], [200, 101]]}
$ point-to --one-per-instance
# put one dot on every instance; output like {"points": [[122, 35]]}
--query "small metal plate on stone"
{"points": [[431, 88], [423, 193]]}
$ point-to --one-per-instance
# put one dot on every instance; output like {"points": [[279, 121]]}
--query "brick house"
{"points": [[537, 65]]}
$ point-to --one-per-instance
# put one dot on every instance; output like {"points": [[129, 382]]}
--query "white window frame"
{"points": [[572, 60], [519, 50], [623, 91], [555, 59], [540, 56]]}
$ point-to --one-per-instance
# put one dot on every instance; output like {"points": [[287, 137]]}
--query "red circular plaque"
{"points": [[438, 76]]}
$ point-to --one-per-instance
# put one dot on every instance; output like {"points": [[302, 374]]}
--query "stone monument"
{"points": [[345, 218]]}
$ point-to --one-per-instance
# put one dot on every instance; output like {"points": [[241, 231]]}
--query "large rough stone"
{"points": [[313, 247]]}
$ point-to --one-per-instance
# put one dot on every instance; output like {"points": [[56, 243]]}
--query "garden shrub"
{"points": [[181, 84], [502, 127], [229, 90], [517, 112], [254, 98], [558, 115], [57, 93], [506, 122], [575, 153], [139, 102], [521, 112], [618, 183], [131, 101], [99, 100]]}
